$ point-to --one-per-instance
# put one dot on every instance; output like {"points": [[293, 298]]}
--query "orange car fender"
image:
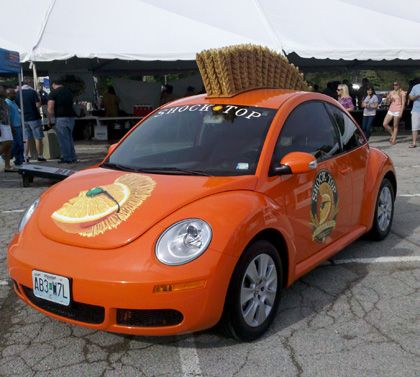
{"points": [[238, 217], [379, 167]]}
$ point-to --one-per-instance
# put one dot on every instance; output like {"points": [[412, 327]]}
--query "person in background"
{"points": [[166, 95], [17, 145], [316, 88], [329, 91], [344, 98], [411, 84], [6, 136], [60, 106], [369, 104], [352, 92], [32, 117], [361, 93], [43, 95], [190, 91], [396, 102], [415, 113], [110, 102]]}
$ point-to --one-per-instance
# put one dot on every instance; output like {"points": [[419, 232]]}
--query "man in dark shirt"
{"points": [[32, 117], [60, 105]]}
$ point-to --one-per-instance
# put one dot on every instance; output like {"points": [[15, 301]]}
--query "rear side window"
{"points": [[351, 136], [308, 129]]}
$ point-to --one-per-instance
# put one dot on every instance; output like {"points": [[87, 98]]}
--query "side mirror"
{"points": [[112, 148], [295, 163]]}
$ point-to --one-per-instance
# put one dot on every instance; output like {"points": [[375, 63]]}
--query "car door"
{"points": [[318, 203], [355, 154]]}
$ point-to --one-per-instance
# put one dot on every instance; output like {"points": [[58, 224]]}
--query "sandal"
{"points": [[412, 146], [11, 170]]}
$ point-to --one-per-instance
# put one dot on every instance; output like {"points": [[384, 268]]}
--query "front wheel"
{"points": [[384, 211], [254, 293]]}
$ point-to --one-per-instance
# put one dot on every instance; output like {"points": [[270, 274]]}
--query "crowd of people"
{"points": [[366, 99], [60, 116]]}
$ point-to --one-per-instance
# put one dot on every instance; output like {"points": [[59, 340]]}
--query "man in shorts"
{"points": [[415, 113], [33, 124]]}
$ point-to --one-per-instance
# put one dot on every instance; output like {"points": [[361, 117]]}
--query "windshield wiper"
{"points": [[118, 167], [168, 170], [157, 170]]}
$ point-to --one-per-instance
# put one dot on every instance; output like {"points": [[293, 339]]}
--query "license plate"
{"points": [[51, 287]]}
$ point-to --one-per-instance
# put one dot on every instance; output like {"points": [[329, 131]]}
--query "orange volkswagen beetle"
{"points": [[202, 214]]}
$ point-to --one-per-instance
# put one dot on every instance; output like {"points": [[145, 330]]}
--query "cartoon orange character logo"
{"points": [[324, 206], [101, 208]]}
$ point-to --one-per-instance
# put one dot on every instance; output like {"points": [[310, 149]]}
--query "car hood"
{"points": [[104, 209]]}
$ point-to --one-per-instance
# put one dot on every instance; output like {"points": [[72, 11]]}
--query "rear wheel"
{"points": [[254, 293], [384, 211]]}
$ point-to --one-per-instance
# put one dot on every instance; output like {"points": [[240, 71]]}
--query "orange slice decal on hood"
{"points": [[101, 208]]}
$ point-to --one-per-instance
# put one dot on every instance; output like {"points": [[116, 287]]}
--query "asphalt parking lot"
{"points": [[358, 314]]}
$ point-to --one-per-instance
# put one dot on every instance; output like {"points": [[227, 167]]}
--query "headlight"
{"points": [[183, 242], [27, 215]]}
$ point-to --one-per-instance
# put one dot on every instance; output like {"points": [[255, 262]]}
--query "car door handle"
{"points": [[345, 170]]}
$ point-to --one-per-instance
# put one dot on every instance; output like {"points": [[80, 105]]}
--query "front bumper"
{"points": [[112, 290]]}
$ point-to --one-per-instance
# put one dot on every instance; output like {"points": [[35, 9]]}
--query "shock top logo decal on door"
{"points": [[324, 205]]}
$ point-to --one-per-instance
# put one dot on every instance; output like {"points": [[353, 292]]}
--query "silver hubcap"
{"points": [[258, 290], [384, 209]]}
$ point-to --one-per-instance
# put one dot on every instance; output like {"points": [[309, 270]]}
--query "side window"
{"points": [[350, 134], [308, 129]]}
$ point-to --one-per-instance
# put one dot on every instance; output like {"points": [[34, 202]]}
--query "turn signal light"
{"points": [[179, 286]]}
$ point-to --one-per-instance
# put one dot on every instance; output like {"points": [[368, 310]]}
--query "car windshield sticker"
{"points": [[229, 112], [324, 205], [99, 209], [242, 166]]}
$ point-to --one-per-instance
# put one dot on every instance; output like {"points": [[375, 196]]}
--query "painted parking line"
{"points": [[4, 282], [375, 260], [190, 362], [409, 195], [14, 211]]}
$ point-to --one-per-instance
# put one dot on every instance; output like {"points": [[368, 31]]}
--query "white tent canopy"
{"points": [[167, 30]]}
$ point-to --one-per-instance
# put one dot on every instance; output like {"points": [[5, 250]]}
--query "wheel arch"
{"points": [[379, 167], [278, 241], [393, 179]]}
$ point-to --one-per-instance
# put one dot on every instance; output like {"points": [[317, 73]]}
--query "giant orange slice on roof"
{"points": [[101, 208]]}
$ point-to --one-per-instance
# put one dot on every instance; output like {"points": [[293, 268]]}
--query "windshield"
{"points": [[216, 140]]}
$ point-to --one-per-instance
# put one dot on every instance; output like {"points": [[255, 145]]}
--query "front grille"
{"points": [[149, 318], [76, 310]]}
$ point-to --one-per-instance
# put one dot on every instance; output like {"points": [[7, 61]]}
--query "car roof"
{"points": [[261, 97]]}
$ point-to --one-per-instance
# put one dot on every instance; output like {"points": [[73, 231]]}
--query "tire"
{"points": [[255, 285], [384, 211]]}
